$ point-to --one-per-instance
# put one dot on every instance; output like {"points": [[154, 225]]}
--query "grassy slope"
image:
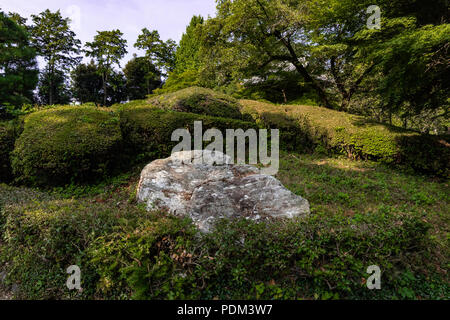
{"points": [[332, 185]]}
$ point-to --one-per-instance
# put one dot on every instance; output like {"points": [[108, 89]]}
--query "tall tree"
{"points": [[87, 83], [187, 54], [142, 77], [108, 48], [250, 35], [56, 43], [18, 67], [158, 52], [56, 82]]}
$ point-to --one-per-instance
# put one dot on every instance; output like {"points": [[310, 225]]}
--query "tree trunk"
{"points": [[302, 70], [50, 93], [104, 78], [50, 84], [322, 95]]}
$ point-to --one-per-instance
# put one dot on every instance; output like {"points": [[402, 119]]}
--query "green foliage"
{"points": [[187, 54], [200, 101], [18, 68], [86, 83], [66, 144], [9, 131], [56, 82], [425, 153], [362, 214], [148, 130], [134, 254], [178, 81], [150, 258], [142, 78], [107, 49], [158, 52], [56, 43], [43, 239], [353, 136], [324, 255], [415, 74]]}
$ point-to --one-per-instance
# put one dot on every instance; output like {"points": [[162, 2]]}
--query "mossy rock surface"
{"points": [[199, 101], [67, 144]]}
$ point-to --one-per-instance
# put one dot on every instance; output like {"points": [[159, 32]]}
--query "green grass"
{"points": [[341, 186]]}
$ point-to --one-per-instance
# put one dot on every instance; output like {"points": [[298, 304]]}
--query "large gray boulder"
{"points": [[208, 191]]}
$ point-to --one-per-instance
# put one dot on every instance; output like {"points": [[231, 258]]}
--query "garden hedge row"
{"points": [[83, 143], [312, 127], [200, 101], [66, 144], [147, 131]]}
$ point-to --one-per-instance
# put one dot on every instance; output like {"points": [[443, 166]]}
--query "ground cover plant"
{"points": [[359, 91], [363, 213]]}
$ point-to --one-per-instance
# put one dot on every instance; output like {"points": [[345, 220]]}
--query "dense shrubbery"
{"points": [[200, 101], [358, 138], [66, 144], [9, 131], [148, 130], [73, 144], [126, 252]]}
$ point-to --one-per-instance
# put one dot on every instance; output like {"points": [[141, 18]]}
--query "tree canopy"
{"points": [[57, 44], [18, 67], [108, 48]]}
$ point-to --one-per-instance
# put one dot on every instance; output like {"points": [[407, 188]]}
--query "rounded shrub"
{"points": [[67, 144], [148, 131], [200, 101]]}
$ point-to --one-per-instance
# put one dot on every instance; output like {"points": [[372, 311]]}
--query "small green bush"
{"points": [[59, 146], [42, 239], [199, 101], [9, 131], [148, 130]]}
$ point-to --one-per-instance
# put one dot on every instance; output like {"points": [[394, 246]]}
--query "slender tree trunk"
{"points": [[50, 89], [104, 78], [50, 84], [322, 95], [302, 70], [284, 95], [347, 94]]}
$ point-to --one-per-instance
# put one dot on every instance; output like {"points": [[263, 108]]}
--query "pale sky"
{"points": [[169, 17]]}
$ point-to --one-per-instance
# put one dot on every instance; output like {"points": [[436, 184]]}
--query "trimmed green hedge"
{"points": [[67, 144], [147, 130], [200, 101], [9, 131], [312, 127]]}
